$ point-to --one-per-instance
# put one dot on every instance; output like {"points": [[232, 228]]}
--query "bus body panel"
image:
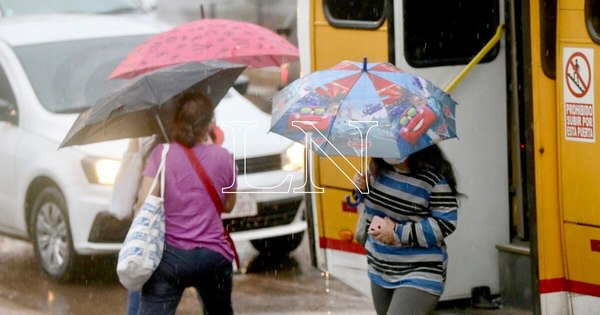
{"points": [[328, 42], [550, 254], [578, 154]]}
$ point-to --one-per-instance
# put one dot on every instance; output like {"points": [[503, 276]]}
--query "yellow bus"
{"points": [[530, 227]]}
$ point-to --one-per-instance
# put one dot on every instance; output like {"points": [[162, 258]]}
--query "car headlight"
{"points": [[293, 158], [100, 171]]}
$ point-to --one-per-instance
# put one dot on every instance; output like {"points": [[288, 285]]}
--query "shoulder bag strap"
{"points": [[160, 172], [213, 195]]}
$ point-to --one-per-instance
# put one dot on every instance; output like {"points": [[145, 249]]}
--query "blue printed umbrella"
{"points": [[355, 109]]}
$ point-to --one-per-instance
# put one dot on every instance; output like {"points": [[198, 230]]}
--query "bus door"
{"points": [[436, 39]]}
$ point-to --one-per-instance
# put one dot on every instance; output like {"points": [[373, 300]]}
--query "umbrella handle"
{"points": [[354, 204], [162, 128]]}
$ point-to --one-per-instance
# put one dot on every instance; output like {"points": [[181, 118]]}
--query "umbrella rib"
{"points": [[273, 59], [158, 120], [151, 89], [336, 116]]}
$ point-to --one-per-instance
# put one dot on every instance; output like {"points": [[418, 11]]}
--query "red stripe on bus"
{"points": [[553, 285], [595, 245], [562, 284], [584, 288], [546, 286], [344, 246]]}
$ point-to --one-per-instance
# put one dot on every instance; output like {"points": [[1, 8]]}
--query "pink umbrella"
{"points": [[234, 41]]}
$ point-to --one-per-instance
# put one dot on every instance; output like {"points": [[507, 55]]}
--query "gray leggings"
{"points": [[402, 301]]}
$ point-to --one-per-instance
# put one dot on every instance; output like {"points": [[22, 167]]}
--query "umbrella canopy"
{"points": [[356, 109], [206, 39], [141, 106]]}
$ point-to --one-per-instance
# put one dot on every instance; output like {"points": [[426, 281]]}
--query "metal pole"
{"points": [[490, 44]]}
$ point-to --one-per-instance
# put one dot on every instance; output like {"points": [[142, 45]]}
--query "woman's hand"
{"points": [[360, 182], [385, 235]]}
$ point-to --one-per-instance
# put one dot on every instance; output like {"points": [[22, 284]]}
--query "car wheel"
{"points": [[51, 235], [279, 245]]}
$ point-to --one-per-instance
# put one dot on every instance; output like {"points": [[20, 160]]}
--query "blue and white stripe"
{"points": [[425, 211]]}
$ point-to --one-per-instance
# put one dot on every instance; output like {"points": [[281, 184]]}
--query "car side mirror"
{"points": [[8, 112]]}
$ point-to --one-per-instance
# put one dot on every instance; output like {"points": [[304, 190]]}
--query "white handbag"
{"points": [[128, 178], [144, 244], [126, 185]]}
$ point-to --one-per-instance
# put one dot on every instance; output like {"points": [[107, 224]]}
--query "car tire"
{"points": [[279, 245], [51, 235]]}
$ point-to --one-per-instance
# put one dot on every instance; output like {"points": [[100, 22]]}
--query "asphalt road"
{"points": [[267, 285]]}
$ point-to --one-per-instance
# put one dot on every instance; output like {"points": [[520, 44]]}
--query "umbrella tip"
{"points": [[365, 64]]}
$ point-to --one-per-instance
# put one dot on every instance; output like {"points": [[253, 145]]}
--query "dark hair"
{"points": [[191, 118], [431, 156]]}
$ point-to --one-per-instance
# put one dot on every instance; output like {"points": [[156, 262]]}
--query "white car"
{"points": [[9, 8], [51, 68]]}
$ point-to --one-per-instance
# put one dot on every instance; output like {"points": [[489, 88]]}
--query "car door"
{"points": [[9, 139]]}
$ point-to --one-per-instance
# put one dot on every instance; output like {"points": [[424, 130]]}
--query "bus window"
{"points": [[439, 33], [548, 37], [364, 14], [592, 19]]}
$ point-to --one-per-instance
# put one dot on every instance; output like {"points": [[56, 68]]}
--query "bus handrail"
{"points": [[490, 44]]}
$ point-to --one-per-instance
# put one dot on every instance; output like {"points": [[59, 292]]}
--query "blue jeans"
{"points": [[208, 272]]}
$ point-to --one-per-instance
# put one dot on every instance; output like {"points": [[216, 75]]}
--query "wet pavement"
{"points": [[268, 285], [265, 285]]}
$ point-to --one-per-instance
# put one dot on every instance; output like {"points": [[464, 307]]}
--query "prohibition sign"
{"points": [[577, 82]]}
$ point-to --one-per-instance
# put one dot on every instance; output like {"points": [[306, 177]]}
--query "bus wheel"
{"points": [[279, 245]]}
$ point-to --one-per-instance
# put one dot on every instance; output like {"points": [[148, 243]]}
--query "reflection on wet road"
{"points": [[275, 285]]}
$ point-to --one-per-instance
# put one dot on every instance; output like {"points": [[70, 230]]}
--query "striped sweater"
{"points": [[425, 211]]}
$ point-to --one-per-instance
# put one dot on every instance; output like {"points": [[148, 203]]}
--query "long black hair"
{"points": [[431, 156]]}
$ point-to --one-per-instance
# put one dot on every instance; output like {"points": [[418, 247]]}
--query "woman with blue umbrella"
{"points": [[410, 209], [410, 200]]}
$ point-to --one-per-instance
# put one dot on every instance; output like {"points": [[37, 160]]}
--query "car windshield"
{"points": [[28, 7], [76, 76]]}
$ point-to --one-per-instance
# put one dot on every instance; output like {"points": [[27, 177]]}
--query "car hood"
{"points": [[26, 30], [246, 127], [61, 126]]}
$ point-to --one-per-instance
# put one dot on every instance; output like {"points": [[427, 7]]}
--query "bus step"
{"points": [[515, 276]]}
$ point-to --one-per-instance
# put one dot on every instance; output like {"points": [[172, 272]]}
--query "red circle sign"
{"points": [[578, 83]]}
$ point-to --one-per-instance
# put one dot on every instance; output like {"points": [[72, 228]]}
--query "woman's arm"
{"points": [[229, 202], [443, 205], [143, 191]]}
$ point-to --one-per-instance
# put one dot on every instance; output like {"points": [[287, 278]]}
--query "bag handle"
{"points": [[161, 172], [213, 195]]}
